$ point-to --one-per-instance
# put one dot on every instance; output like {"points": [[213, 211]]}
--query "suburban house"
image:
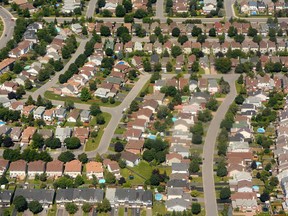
{"points": [[133, 197], [16, 134], [94, 168], [132, 134], [112, 167], [3, 166], [35, 168], [17, 169], [54, 168], [63, 133], [73, 168], [134, 146], [130, 158], [22, 48], [43, 196], [173, 158], [38, 113], [27, 135], [73, 116], [177, 205], [85, 116], [6, 198], [82, 134]]}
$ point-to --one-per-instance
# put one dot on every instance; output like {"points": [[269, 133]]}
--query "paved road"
{"points": [[54, 80], [8, 27], [229, 10], [91, 8], [160, 10], [209, 147]]}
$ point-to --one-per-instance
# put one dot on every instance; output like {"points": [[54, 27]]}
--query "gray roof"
{"points": [[178, 202], [5, 196], [175, 191], [60, 112], [114, 80], [83, 194], [85, 114], [201, 95], [40, 195], [128, 156], [133, 195], [180, 167], [5, 130], [46, 133], [177, 183], [212, 83], [40, 110]]}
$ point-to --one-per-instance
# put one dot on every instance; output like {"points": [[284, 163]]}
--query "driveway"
{"points": [[209, 147], [91, 8]]}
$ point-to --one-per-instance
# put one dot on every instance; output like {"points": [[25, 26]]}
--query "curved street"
{"points": [[8, 27], [209, 148]]}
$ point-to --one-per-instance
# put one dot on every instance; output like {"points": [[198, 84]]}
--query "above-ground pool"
{"points": [[255, 188], [158, 196], [174, 119], [102, 181], [260, 130], [2, 123], [151, 136]]}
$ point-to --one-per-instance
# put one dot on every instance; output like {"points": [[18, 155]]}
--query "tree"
{"points": [[72, 142], [7, 142], [221, 169], [134, 106], [264, 196], [30, 101], [37, 140], [100, 119], [196, 31], [86, 207], [104, 206], [110, 178], [79, 180], [225, 193], [58, 65], [20, 203], [148, 155], [69, 105], [163, 112], [85, 94], [197, 139], [105, 31], [71, 208], [201, 38], [118, 147], [182, 39], [212, 32], [83, 158], [129, 18], [65, 52], [95, 109], [101, 3], [176, 51], [274, 181], [223, 65], [120, 11], [127, 5], [194, 166], [253, 165], [140, 14], [196, 208], [239, 38], [106, 13], [212, 104], [232, 31], [3, 180], [20, 91], [28, 84], [66, 156], [176, 32], [18, 68], [155, 180], [35, 207], [252, 32], [239, 99]]}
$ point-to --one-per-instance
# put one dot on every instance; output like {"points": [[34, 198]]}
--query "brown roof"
{"points": [[93, 166], [83, 132], [6, 62], [36, 166], [203, 82], [19, 2], [244, 183], [133, 133], [73, 166], [74, 114], [128, 156], [135, 144], [54, 166], [243, 195], [19, 165], [151, 103], [146, 112], [136, 122], [3, 163], [15, 104], [29, 131], [173, 155]]}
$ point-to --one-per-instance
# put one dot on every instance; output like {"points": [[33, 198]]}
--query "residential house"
{"points": [[27, 134], [173, 158], [73, 116], [44, 196], [38, 113], [82, 134], [134, 146], [54, 168], [177, 205], [60, 114], [6, 64], [112, 167], [73, 168], [6, 198], [35, 168], [22, 48], [17, 169], [3, 166], [94, 168], [63, 133], [132, 134], [85, 116], [16, 134], [130, 158]]}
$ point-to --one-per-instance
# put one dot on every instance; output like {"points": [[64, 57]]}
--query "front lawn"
{"points": [[137, 180], [143, 169], [93, 143], [50, 95], [158, 208]]}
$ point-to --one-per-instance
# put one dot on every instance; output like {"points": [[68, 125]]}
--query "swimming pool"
{"points": [[57, 29], [255, 188], [102, 181], [174, 119], [260, 130], [121, 63], [151, 136], [158, 197], [2, 123]]}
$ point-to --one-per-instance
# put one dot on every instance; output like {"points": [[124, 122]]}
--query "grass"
{"points": [[238, 87], [121, 211], [144, 169], [158, 208], [50, 95], [52, 211], [143, 212], [168, 169], [147, 86], [90, 145], [119, 130], [201, 70]]}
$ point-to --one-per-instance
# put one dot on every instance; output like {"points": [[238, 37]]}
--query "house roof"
{"points": [[177, 202], [36, 166], [86, 194], [81, 132], [19, 165], [73, 166], [74, 114], [134, 144], [6, 62], [54, 166], [128, 156], [137, 122], [173, 155], [93, 166], [40, 195], [150, 103], [3, 163], [133, 133]]}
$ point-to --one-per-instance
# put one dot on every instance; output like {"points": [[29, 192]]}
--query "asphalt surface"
{"points": [[8, 27], [54, 80], [91, 8], [209, 147], [160, 10]]}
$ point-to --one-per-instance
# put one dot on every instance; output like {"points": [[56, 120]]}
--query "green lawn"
{"points": [[120, 130], [162, 169], [52, 211], [143, 169], [238, 87], [90, 145], [137, 179], [158, 208], [147, 86], [121, 211], [50, 95]]}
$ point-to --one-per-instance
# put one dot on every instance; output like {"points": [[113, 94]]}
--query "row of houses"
{"points": [[47, 197], [257, 7], [54, 169], [111, 5]]}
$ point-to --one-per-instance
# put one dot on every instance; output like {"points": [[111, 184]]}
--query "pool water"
{"points": [[2, 123], [158, 197], [174, 119], [121, 63], [102, 181], [151, 136]]}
